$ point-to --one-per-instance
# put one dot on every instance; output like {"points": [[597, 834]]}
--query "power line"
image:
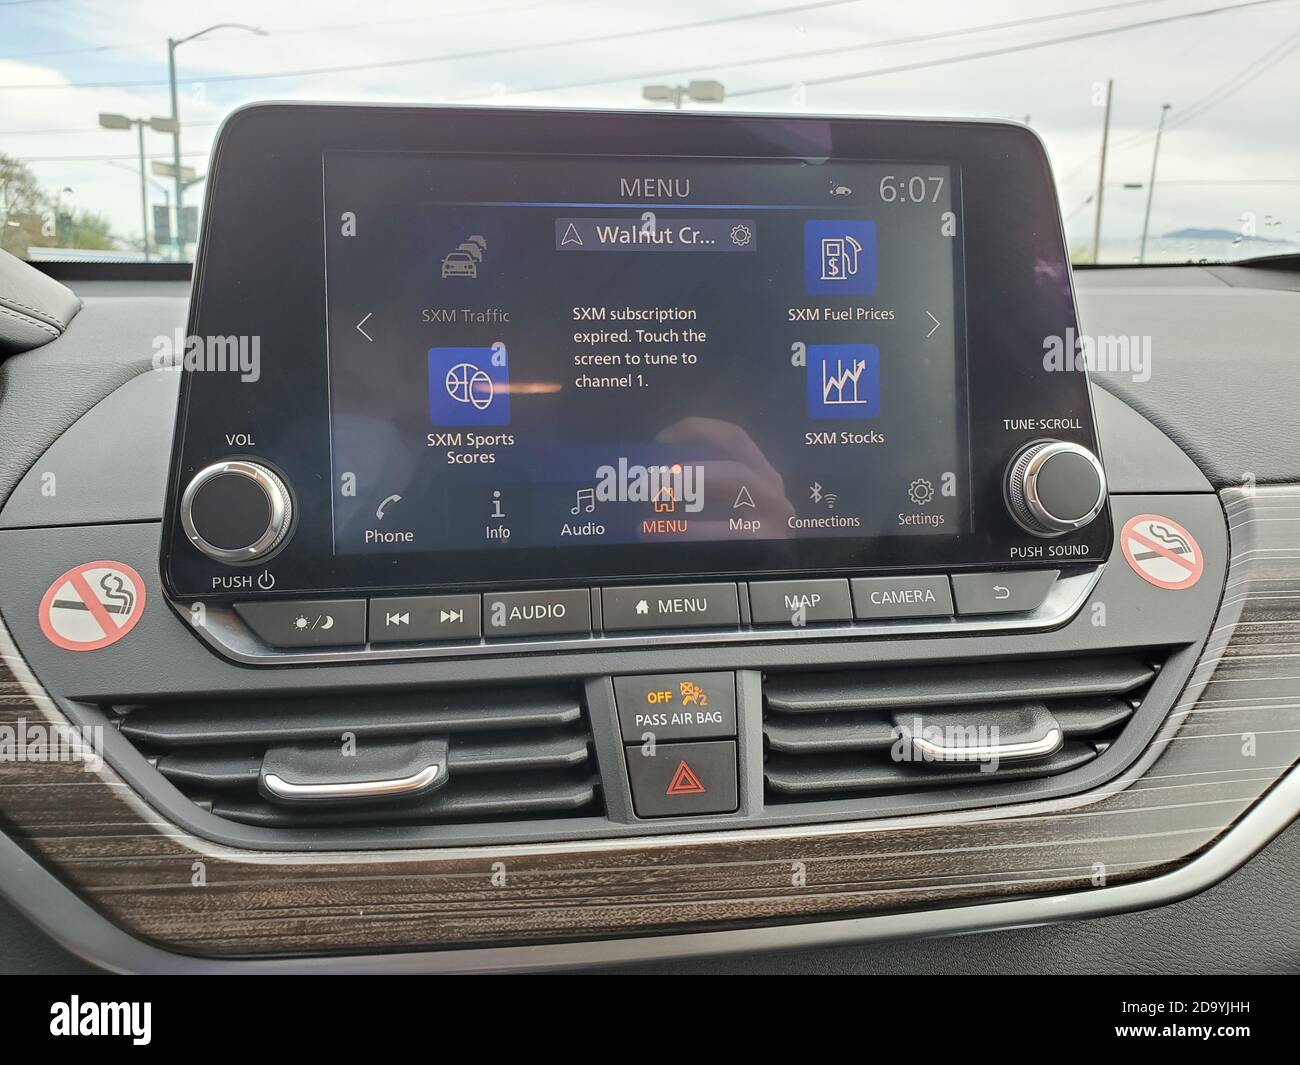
{"points": [[93, 158], [1198, 107], [475, 12], [785, 56], [659, 73], [86, 129], [818, 53], [480, 53], [1007, 50]]}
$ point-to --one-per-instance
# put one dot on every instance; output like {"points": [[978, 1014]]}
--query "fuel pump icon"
{"points": [[840, 258]]}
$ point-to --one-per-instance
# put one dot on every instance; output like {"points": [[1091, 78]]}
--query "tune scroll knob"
{"points": [[236, 511], [1054, 487]]}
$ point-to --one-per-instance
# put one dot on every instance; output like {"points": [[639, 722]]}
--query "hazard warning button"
{"points": [[681, 779]]}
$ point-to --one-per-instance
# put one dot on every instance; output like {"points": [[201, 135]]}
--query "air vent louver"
{"points": [[508, 755], [830, 735]]}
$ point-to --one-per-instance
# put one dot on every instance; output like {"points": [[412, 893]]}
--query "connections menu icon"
{"points": [[468, 386]]}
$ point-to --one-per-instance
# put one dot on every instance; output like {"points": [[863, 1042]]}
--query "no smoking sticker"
{"points": [[92, 606], [1162, 552]]}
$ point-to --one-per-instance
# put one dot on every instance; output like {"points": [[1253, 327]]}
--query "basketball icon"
{"points": [[466, 383]]}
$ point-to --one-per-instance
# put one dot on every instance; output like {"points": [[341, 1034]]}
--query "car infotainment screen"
{"points": [[520, 349], [533, 352]]}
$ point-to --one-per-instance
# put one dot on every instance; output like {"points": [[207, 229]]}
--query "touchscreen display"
{"points": [[531, 352]]}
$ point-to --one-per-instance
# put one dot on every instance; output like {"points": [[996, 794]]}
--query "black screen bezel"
{"points": [[260, 271]]}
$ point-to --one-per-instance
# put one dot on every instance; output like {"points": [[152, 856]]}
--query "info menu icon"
{"points": [[468, 386], [843, 381], [839, 257]]}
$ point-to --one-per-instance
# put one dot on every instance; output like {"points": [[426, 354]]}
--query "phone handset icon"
{"points": [[379, 511]]}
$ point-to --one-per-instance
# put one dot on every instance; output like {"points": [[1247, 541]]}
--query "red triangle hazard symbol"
{"points": [[685, 782]]}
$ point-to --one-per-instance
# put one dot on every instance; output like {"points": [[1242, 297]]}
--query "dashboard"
{"points": [[666, 535]]}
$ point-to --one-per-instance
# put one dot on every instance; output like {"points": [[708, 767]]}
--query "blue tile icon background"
{"points": [[839, 257], [466, 389], [843, 381]]}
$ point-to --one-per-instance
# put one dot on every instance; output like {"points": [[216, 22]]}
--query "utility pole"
{"points": [[144, 196], [1101, 175], [160, 125], [172, 44], [177, 240], [1151, 185]]}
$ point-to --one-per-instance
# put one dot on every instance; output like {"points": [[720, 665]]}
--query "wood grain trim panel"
{"points": [[1232, 734]]}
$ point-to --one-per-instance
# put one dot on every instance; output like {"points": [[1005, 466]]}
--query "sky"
{"points": [[1229, 159]]}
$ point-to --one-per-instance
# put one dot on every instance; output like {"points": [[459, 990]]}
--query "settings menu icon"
{"points": [[920, 491]]}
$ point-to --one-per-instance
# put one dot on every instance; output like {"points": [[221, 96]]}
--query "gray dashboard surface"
{"points": [[42, 392], [1225, 361]]}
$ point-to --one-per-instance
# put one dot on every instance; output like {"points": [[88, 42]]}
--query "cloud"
{"points": [[1250, 135]]}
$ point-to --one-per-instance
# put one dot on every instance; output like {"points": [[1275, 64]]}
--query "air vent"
{"points": [[894, 730], [465, 756]]}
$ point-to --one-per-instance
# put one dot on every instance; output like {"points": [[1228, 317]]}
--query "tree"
{"points": [[31, 216]]}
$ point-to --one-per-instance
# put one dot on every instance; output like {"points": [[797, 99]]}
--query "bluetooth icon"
{"points": [[815, 492]]}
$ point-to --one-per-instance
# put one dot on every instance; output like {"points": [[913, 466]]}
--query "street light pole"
{"points": [[159, 125], [1151, 185], [704, 92], [144, 195], [172, 44], [1101, 174], [177, 240]]}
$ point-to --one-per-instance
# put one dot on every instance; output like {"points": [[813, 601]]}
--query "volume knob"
{"points": [[236, 511], [1054, 487]]}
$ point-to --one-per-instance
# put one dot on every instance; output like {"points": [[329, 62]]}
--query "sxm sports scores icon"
{"points": [[469, 386]]}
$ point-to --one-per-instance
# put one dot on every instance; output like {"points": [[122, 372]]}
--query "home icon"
{"points": [[642, 607], [664, 500]]}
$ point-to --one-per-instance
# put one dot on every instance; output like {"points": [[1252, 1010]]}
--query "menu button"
{"points": [[671, 606]]}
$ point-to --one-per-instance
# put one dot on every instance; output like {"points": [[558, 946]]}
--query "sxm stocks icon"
{"points": [[843, 381], [469, 386]]}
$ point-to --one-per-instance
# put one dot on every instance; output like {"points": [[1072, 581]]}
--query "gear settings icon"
{"points": [[741, 235], [920, 491]]}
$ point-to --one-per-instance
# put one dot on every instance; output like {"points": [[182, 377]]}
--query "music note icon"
{"points": [[587, 496]]}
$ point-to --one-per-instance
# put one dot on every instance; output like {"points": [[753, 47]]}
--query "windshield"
{"points": [[1171, 124]]}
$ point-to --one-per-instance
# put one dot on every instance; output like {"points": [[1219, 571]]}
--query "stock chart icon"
{"points": [[843, 381]]}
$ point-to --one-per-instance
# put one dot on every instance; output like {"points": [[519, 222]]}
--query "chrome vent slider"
{"points": [[434, 757], [323, 773]]}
